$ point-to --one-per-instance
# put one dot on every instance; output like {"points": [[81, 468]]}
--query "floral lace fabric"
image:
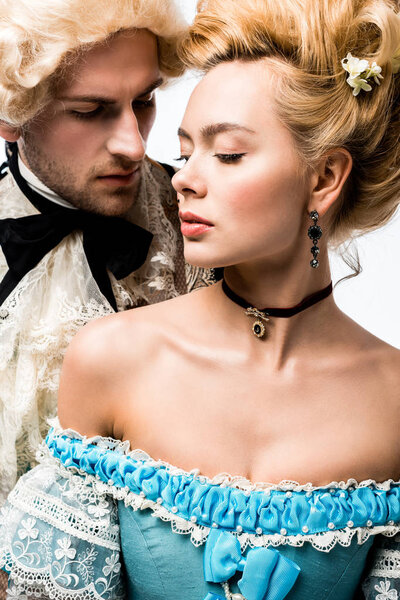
{"points": [[383, 581], [56, 298], [60, 539]]}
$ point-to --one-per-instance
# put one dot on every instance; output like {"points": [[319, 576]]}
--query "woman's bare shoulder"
{"points": [[108, 341], [374, 359], [107, 354], [389, 359]]}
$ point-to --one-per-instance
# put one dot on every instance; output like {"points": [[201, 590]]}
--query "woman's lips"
{"points": [[193, 225], [193, 229]]}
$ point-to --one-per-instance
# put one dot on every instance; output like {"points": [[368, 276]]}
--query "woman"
{"points": [[289, 141]]}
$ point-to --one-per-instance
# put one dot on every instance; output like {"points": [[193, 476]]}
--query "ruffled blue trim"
{"points": [[211, 505]]}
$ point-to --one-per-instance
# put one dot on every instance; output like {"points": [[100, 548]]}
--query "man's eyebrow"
{"points": [[104, 100], [209, 131], [156, 84], [90, 99]]}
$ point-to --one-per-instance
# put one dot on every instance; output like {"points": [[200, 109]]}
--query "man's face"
{"points": [[88, 144]]}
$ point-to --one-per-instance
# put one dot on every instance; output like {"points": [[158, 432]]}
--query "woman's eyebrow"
{"points": [[210, 131]]}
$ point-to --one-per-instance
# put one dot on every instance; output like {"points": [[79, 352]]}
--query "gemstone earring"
{"points": [[315, 234]]}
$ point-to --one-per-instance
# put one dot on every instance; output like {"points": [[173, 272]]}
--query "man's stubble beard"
{"points": [[61, 180]]}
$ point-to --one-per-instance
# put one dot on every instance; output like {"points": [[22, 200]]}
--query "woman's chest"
{"points": [[310, 433]]}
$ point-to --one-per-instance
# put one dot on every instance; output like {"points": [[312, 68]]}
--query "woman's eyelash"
{"points": [[225, 158], [181, 158], [230, 158]]}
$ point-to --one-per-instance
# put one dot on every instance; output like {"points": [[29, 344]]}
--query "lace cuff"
{"points": [[60, 539], [383, 578]]}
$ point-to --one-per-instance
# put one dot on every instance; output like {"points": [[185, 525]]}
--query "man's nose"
{"points": [[126, 139]]}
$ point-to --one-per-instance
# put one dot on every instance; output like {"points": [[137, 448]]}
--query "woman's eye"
{"points": [[183, 158], [86, 114], [229, 158]]}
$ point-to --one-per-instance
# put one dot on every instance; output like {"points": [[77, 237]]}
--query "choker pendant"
{"points": [[263, 315], [258, 325]]}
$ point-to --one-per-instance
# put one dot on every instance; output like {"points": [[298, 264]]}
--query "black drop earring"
{"points": [[315, 234]]}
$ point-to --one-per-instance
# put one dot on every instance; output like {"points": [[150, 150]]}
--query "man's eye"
{"points": [[230, 158], [86, 114], [145, 102]]}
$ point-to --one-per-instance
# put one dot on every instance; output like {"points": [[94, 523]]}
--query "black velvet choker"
{"points": [[110, 243], [263, 314]]}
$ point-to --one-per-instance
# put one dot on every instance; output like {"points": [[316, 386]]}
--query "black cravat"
{"points": [[109, 242]]}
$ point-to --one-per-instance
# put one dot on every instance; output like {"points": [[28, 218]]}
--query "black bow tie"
{"points": [[110, 243]]}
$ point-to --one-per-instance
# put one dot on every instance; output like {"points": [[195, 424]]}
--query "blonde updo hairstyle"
{"points": [[38, 38], [303, 42]]}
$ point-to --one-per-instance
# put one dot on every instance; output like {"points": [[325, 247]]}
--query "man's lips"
{"points": [[120, 178], [193, 225]]}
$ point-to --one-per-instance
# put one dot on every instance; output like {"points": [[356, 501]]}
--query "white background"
{"points": [[373, 298]]}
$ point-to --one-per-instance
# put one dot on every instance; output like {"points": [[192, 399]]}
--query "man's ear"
{"points": [[9, 132], [329, 178]]}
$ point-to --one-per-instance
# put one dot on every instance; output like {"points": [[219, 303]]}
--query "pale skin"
{"points": [[89, 142], [186, 380]]}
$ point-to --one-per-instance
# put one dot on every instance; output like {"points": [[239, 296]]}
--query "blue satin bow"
{"points": [[267, 575]]}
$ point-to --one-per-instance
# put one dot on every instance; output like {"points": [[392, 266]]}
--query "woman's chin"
{"points": [[199, 264], [203, 263]]}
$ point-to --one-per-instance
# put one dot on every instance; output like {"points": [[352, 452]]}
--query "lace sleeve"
{"points": [[382, 580], [59, 538]]}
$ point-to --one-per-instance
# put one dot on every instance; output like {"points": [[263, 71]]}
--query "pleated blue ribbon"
{"points": [[267, 575]]}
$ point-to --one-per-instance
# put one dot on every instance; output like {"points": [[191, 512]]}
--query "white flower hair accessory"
{"points": [[360, 71]]}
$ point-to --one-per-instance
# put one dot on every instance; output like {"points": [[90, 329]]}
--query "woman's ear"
{"points": [[9, 132], [329, 178]]}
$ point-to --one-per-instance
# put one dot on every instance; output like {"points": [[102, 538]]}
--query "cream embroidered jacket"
{"points": [[60, 295]]}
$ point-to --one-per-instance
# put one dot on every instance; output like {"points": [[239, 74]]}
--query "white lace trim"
{"points": [[324, 541], [222, 479], [154, 281], [41, 586], [56, 513], [386, 564]]}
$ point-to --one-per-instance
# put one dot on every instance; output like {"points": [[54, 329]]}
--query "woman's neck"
{"points": [[276, 286], [283, 288]]}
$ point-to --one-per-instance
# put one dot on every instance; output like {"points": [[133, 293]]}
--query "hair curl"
{"points": [[36, 37], [303, 41]]}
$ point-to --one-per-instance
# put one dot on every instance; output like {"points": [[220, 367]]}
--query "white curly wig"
{"points": [[37, 36]]}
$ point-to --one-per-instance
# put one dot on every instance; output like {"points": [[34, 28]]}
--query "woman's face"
{"points": [[243, 175]]}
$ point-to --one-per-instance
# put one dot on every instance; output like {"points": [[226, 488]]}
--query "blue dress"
{"points": [[95, 520]]}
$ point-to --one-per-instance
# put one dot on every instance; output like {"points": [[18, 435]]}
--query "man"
{"points": [[88, 224]]}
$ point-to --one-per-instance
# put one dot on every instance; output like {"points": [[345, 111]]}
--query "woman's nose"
{"points": [[189, 181]]}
